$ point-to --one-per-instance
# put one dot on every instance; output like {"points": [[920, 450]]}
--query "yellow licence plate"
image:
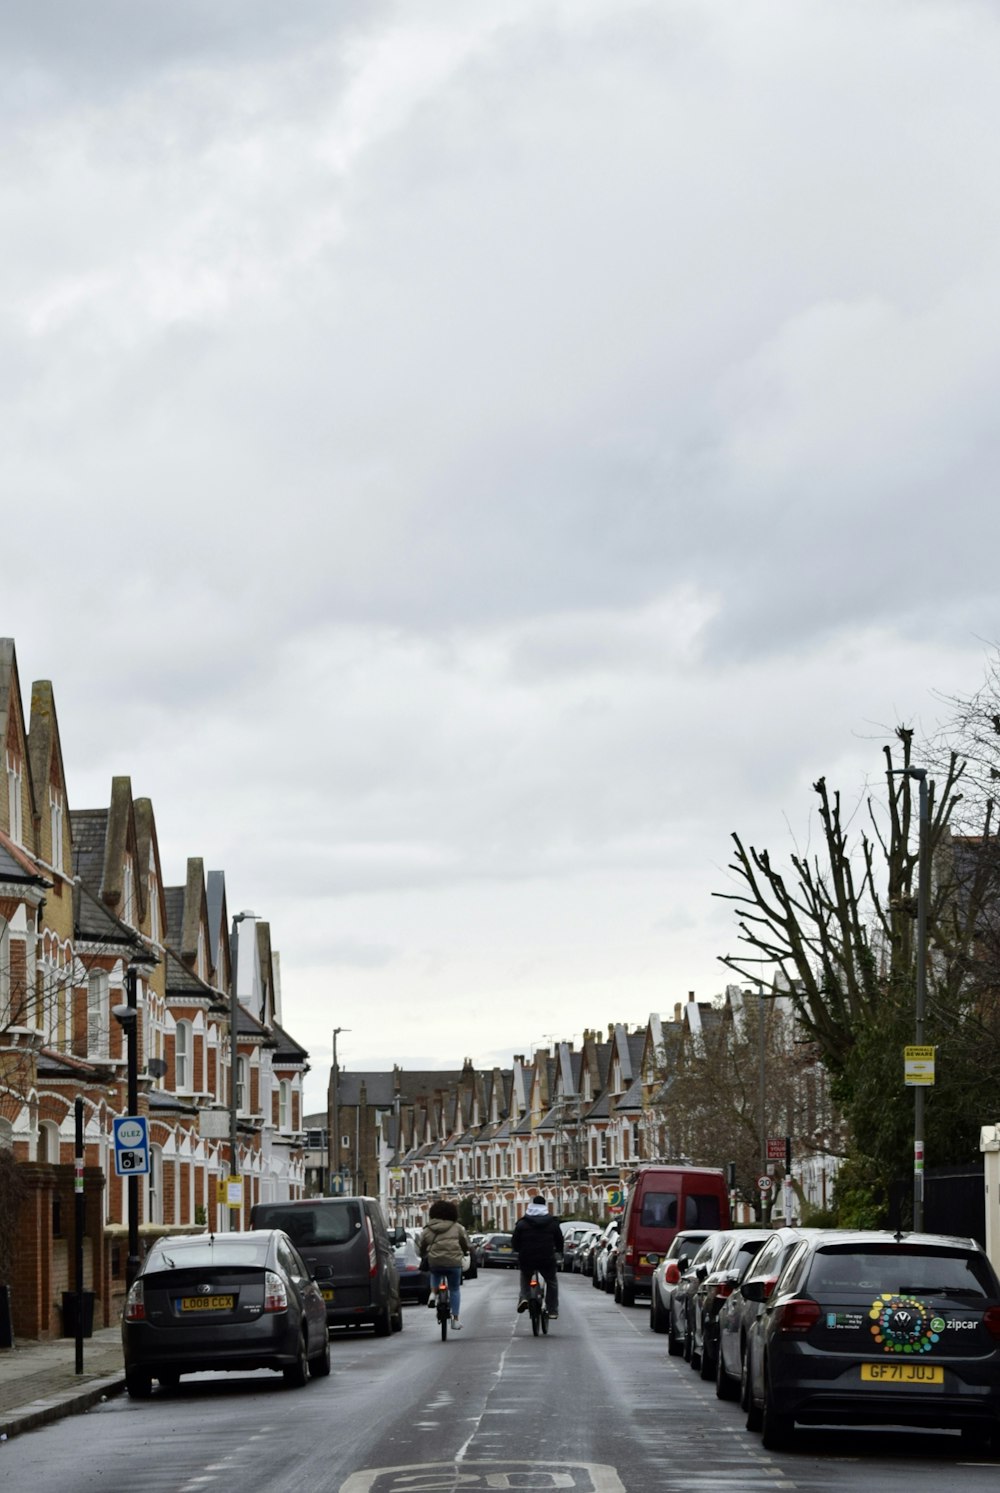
{"points": [[902, 1373], [327, 1295], [207, 1303]]}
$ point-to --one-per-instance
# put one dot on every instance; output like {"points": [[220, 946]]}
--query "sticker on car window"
{"points": [[902, 1324]]}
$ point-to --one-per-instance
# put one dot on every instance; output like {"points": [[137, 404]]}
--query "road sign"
{"points": [[776, 1148], [765, 1184], [918, 1066], [131, 1136]]}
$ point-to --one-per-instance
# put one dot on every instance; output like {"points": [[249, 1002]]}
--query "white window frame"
{"points": [[98, 1014], [14, 802], [242, 1085], [56, 826], [284, 1104], [183, 1057]]}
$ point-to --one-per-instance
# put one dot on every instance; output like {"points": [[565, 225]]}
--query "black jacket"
{"points": [[537, 1240]]}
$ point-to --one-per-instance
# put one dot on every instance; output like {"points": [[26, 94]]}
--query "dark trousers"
{"points": [[548, 1274]]}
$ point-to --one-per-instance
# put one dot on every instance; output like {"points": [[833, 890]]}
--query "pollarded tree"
{"points": [[840, 928]]}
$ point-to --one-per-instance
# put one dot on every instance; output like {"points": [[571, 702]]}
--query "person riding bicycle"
{"points": [[444, 1241], [538, 1239]]}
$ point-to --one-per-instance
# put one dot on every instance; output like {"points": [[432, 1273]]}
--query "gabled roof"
{"points": [[16, 865]]}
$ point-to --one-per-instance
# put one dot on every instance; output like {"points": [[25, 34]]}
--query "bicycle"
{"points": [[537, 1309], [442, 1305]]}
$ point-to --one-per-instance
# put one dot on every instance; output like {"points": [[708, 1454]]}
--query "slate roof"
{"points": [[288, 1050]]}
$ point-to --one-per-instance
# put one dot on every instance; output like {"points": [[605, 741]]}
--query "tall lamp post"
{"points": [[923, 898], [335, 1114], [127, 1017]]}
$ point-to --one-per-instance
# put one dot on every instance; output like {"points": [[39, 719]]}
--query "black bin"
{"points": [[6, 1319], [70, 1299]]}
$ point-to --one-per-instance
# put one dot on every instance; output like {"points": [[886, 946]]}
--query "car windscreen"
{"points": [[329, 1222], [217, 1252], [900, 1269]]}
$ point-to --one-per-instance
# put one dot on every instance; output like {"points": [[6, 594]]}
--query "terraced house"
{"points": [[84, 908]]}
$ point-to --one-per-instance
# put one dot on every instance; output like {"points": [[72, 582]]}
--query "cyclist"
{"points": [[538, 1239], [444, 1241]]}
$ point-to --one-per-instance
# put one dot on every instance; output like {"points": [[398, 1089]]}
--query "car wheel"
{"points": [[776, 1426], [657, 1316], [706, 1366], [753, 1412], [319, 1367], [169, 1380], [297, 1373], [397, 1316], [595, 1282], [383, 1321], [628, 1295], [675, 1346], [725, 1385], [618, 1292], [688, 1349], [139, 1383]]}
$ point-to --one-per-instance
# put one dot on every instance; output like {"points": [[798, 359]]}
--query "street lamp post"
{"points": [[127, 1017], [335, 1113], [923, 898]]}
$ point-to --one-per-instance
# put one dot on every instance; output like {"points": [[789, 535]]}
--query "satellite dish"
{"points": [[156, 1067]]}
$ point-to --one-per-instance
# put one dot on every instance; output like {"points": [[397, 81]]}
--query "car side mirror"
{"points": [[399, 1236], [753, 1290]]}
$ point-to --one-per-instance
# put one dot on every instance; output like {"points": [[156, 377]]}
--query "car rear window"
{"points": [[324, 1223], [701, 1211], [245, 1250], [901, 1269], [659, 1210]]}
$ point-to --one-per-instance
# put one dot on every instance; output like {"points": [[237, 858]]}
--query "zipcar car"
{"points": [[877, 1329], [683, 1247], [223, 1301]]}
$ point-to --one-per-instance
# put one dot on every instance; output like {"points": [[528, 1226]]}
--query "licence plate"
{"points": [[902, 1373], [207, 1303], [327, 1294]]}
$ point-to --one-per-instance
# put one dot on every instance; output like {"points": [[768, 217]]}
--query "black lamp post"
{"points": [[127, 1017]]}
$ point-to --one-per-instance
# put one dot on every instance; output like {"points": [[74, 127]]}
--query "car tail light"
{"points": [[275, 1294], [991, 1321], [135, 1304], [372, 1254], [672, 1274], [797, 1316], [629, 1252], [770, 1281], [724, 1289]]}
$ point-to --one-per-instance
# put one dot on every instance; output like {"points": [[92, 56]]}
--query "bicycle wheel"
{"points": [[536, 1317], [545, 1321], [444, 1326]]}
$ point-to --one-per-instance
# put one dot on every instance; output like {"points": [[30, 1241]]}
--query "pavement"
{"points": [[39, 1383]]}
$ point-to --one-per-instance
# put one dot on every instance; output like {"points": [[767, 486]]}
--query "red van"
{"points": [[661, 1200]]}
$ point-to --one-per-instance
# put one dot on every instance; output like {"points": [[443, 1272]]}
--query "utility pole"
{"points": [[335, 1167], [923, 899]]}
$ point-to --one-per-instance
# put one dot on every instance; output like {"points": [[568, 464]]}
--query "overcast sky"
{"points": [[463, 460]]}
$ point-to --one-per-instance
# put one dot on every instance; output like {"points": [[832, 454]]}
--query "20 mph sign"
{"points": [[131, 1133]]}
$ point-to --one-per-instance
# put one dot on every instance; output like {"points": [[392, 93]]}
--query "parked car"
{"points": [[414, 1282], [877, 1329], [605, 1257], [738, 1312], [497, 1253], [740, 1248], [680, 1334], [661, 1200], [349, 1249], [588, 1250], [223, 1301], [574, 1236], [683, 1247]]}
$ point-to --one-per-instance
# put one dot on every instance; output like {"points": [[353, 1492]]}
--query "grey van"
{"points": [[347, 1247]]}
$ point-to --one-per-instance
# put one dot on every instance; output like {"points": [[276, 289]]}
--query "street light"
{"points": [[127, 1017], [923, 898]]}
